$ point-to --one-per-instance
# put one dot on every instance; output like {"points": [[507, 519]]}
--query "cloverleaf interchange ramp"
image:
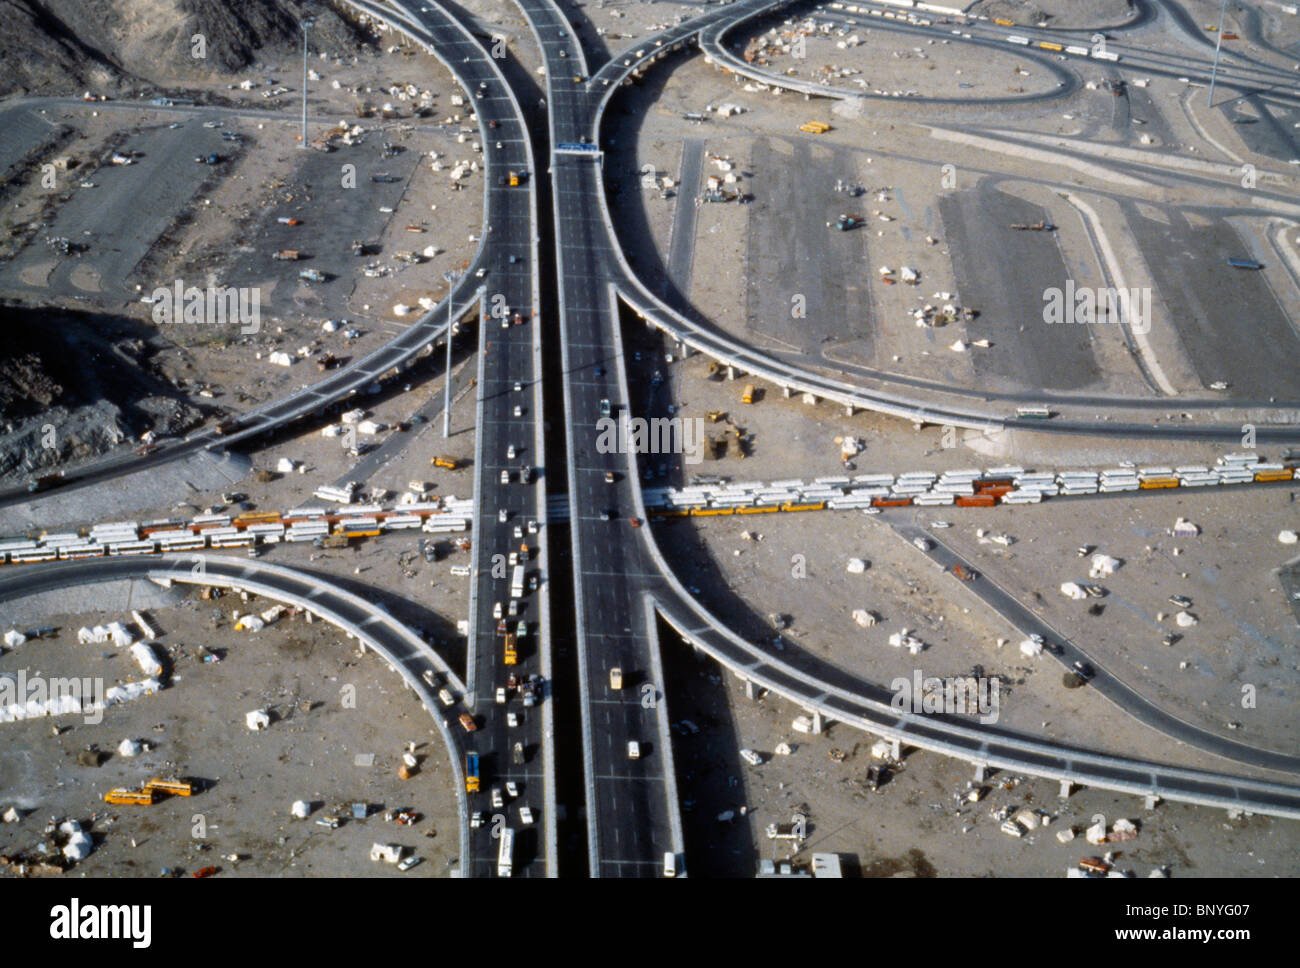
{"points": [[621, 579], [847, 700], [707, 32]]}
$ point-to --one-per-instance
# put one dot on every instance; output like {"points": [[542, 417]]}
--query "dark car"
{"points": [[1084, 670]]}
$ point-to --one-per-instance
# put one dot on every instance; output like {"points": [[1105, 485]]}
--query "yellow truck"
{"points": [[512, 654], [176, 788], [450, 463], [514, 179], [748, 395], [815, 127]]}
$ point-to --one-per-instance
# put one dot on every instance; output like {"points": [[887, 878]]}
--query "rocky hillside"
{"points": [[74, 384], [108, 46]]}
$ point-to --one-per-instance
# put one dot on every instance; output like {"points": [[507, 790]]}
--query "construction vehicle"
{"points": [[846, 222], [450, 463], [748, 395], [332, 541], [1039, 226], [119, 795], [511, 653], [287, 255], [815, 127], [716, 415], [312, 275]]}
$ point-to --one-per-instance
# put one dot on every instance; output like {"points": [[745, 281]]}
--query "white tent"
{"points": [[145, 658]]}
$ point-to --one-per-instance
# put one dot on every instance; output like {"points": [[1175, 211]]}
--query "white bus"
{"points": [[506, 853], [435, 523], [187, 542], [33, 554], [517, 582], [132, 548]]}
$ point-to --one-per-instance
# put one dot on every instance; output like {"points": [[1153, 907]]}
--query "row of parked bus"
{"points": [[961, 488], [221, 531]]}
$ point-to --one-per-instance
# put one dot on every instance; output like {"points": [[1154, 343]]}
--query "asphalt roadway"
{"points": [[508, 356], [632, 817]]}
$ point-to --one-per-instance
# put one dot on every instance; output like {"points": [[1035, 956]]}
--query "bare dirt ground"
{"points": [[220, 227], [333, 708], [918, 824]]}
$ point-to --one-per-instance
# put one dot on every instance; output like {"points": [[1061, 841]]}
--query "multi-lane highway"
{"points": [[514, 742], [632, 810]]}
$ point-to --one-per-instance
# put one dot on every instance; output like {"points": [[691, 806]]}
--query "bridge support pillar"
{"points": [[979, 772], [785, 393], [816, 722], [848, 410], [1066, 787], [731, 372], [896, 750], [683, 351], [361, 646], [749, 692], [1151, 801]]}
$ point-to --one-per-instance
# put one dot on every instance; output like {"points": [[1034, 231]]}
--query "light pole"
{"points": [[305, 23], [1223, 12], [452, 277]]}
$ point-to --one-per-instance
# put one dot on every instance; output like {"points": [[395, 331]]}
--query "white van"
{"points": [[633, 750], [670, 864]]}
